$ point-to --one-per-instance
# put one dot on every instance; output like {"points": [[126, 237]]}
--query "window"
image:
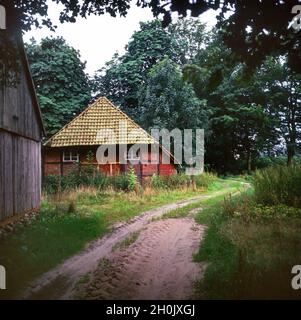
{"points": [[133, 155], [70, 156]]}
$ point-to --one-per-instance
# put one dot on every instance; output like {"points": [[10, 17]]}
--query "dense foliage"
{"points": [[123, 76], [254, 29], [183, 77], [62, 85], [167, 101], [253, 115], [253, 239], [278, 185]]}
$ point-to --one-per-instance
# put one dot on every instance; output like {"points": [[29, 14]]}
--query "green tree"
{"points": [[281, 90], [242, 121], [241, 128], [254, 30], [62, 85], [123, 76], [167, 101]]}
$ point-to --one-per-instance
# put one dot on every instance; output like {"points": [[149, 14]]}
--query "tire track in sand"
{"points": [[59, 282], [157, 266]]}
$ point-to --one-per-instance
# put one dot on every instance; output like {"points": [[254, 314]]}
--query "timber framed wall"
{"points": [[53, 163]]}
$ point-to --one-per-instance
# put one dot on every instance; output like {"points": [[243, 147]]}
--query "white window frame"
{"points": [[70, 157]]}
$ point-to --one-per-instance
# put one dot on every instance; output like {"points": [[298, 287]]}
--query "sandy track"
{"points": [[157, 266], [59, 282]]}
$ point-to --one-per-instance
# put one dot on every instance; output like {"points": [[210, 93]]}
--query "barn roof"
{"points": [[100, 123]]}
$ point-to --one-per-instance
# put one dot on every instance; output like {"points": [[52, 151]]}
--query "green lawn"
{"points": [[217, 192], [66, 225]]}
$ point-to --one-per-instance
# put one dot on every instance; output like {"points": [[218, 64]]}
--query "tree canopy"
{"points": [[123, 76], [62, 85], [168, 102], [242, 80], [254, 30]]}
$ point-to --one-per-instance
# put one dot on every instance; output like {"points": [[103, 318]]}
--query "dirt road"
{"points": [[158, 265]]}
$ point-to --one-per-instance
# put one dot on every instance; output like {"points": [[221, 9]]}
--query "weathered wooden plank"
{"points": [[20, 175], [17, 112]]}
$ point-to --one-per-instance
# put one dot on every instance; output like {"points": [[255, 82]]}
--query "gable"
{"points": [[100, 123]]}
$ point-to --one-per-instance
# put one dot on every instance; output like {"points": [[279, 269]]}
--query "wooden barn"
{"points": [[21, 132], [71, 146]]}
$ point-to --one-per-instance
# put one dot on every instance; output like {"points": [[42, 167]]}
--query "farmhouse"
{"points": [[104, 130], [21, 131]]}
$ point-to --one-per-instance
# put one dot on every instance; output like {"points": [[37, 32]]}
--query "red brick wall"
{"points": [[167, 169], [53, 165]]}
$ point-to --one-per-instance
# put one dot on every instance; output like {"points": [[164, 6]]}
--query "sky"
{"points": [[98, 37]]}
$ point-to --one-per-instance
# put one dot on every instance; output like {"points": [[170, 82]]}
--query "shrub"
{"points": [[86, 176], [205, 179], [157, 182], [278, 185], [246, 208], [132, 180], [51, 184], [100, 181], [177, 181], [265, 161], [182, 181], [120, 182]]}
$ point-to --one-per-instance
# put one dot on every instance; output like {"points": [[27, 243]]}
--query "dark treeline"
{"points": [[182, 77]]}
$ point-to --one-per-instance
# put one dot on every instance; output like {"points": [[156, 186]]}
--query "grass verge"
{"points": [[249, 250], [66, 224]]}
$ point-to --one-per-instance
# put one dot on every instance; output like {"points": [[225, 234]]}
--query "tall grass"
{"points": [[278, 185], [88, 177], [123, 182], [253, 240], [249, 250], [203, 181], [66, 223]]}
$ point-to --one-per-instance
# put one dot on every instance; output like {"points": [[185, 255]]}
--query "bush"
{"points": [[88, 176], [205, 179], [51, 184], [246, 208], [132, 180], [101, 181], [265, 161], [120, 182], [157, 182], [278, 185], [182, 181], [177, 181]]}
